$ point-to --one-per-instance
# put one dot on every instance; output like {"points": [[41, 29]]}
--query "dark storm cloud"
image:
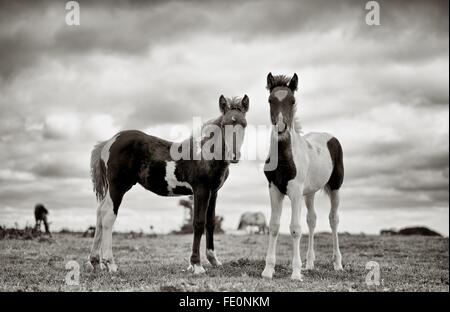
{"points": [[128, 27]]}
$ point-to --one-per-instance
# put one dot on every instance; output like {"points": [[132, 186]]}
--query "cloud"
{"points": [[61, 126], [382, 91], [16, 176]]}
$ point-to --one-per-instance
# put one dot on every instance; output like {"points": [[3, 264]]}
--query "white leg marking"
{"points": [[311, 220], [295, 193], [196, 269], [212, 258], [334, 221], [276, 202], [108, 218]]}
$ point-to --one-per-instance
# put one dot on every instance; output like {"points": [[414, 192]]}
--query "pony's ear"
{"points": [[293, 83], [270, 81], [245, 102], [222, 104]]}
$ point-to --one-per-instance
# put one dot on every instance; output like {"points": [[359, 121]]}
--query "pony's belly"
{"points": [[161, 178], [320, 165]]}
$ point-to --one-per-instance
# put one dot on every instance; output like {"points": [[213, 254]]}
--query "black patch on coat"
{"points": [[337, 175], [285, 170], [153, 177]]}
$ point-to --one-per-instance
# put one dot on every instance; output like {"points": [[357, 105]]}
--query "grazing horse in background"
{"points": [[306, 164], [253, 219], [132, 157], [40, 215]]}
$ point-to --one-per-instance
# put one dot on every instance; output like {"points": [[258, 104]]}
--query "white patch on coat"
{"points": [[171, 179], [105, 150], [312, 159], [280, 94]]}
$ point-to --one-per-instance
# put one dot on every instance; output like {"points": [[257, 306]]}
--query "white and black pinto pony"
{"points": [[132, 157], [306, 164]]}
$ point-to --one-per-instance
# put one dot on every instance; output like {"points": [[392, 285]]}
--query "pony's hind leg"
{"points": [[334, 221], [311, 220], [108, 217], [276, 202], [94, 257]]}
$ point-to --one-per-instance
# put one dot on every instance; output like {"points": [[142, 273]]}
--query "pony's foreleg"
{"points": [[295, 193], [38, 225], [334, 221], [107, 222], [94, 257], [201, 200], [311, 220], [210, 225], [276, 202]]}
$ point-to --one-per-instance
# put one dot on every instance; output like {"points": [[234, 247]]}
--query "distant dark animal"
{"points": [[420, 230], [218, 224], [168, 169], [298, 166], [253, 219], [40, 215], [89, 232]]}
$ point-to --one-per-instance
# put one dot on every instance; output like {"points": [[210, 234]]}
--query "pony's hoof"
{"points": [[112, 267], [296, 276], [338, 267], [196, 269], [215, 262], [309, 265], [268, 273], [212, 258], [90, 267]]}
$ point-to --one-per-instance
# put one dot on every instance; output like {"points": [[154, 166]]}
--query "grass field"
{"points": [[158, 264]]}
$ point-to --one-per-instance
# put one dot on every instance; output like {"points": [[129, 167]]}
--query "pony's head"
{"points": [[233, 125], [282, 102]]}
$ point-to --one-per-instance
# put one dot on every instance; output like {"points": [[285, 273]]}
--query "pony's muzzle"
{"points": [[281, 127]]}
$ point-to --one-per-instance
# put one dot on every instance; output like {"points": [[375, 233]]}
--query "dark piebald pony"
{"points": [[305, 164], [132, 157]]}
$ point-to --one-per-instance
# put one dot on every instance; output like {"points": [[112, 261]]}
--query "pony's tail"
{"points": [[98, 172], [337, 175]]}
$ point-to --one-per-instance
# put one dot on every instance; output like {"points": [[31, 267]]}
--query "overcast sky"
{"points": [[382, 90]]}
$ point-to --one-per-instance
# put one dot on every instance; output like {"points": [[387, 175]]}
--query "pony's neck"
{"points": [[285, 148], [218, 141]]}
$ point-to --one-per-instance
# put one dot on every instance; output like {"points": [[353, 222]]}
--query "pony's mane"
{"points": [[214, 121], [279, 81], [297, 125], [235, 101]]}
